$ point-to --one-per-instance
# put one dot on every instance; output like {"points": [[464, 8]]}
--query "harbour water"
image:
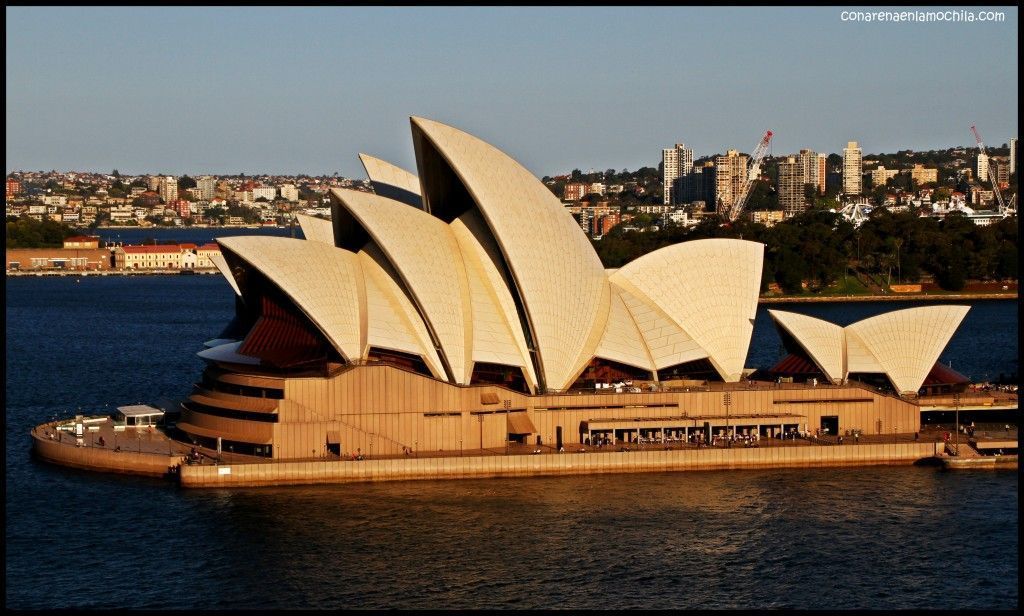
{"points": [[871, 538]]}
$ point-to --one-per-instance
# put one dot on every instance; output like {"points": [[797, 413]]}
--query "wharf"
{"points": [[84, 273], [145, 451], [132, 451], [982, 462], [895, 297]]}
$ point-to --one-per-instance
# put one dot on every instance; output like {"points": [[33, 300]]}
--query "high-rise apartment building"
{"points": [[1013, 155], [730, 177], [999, 172], [153, 182], [981, 167], [808, 160], [168, 188], [675, 162], [853, 180], [206, 186], [791, 186], [822, 175]]}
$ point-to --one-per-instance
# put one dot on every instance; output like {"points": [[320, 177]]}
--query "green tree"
{"points": [[26, 232]]}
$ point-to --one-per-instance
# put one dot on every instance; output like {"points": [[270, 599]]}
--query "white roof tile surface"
{"points": [[907, 343], [497, 333], [429, 260], [324, 282], [382, 172], [822, 340], [709, 288], [622, 341], [222, 267], [556, 271], [392, 320], [316, 229], [902, 344]]}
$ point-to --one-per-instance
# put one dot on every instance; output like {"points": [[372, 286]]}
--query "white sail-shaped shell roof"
{"points": [[555, 271], [392, 320], [497, 334], [222, 267], [822, 340], [391, 181], [324, 282], [488, 267], [316, 229], [666, 342], [709, 288], [858, 357], [429, 261], [907, 343], [622, 341], [902, 344]]}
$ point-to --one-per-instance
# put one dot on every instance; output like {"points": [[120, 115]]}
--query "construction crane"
{"points": [[753, 170], [995, 181]]}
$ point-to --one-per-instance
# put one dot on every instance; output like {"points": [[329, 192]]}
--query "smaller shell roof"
{"points": [[325, 282], [316, 229], [392, 181], [902, 344], [709, 288], [908, 342], [822, 340]]}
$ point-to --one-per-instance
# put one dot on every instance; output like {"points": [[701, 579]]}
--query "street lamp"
{"points": [[727, 399]]}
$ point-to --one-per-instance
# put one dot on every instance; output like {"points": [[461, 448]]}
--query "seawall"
{"points": [[895, 297], [104, 460], [478, 467]]}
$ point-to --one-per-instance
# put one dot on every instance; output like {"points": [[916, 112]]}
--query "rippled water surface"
{"points": [[900, 537]]}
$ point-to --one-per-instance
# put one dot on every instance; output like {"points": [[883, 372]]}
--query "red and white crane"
{"points": [[753, 170], [994, 180]]}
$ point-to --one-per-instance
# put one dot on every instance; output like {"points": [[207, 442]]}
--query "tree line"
{"points": [[26, 232], [819, 248]]}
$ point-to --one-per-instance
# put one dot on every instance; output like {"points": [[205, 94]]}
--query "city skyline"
{"points": [[258, 90]]}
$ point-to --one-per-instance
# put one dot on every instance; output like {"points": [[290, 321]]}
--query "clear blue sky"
{"points": [[290, 90]]}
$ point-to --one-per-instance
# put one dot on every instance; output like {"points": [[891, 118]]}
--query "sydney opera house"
{"points": [[462, 308]]}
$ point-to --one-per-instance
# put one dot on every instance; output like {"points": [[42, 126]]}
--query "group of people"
{"points": [[1012, 388]]}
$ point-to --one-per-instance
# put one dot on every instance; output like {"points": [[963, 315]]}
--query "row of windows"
{"points": [[249, 449], [213, 384], [230, 413]]}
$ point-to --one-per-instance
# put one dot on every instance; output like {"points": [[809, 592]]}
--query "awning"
{"points": [[333, 437], [519, 423], [264, 438], [140, 410]]}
